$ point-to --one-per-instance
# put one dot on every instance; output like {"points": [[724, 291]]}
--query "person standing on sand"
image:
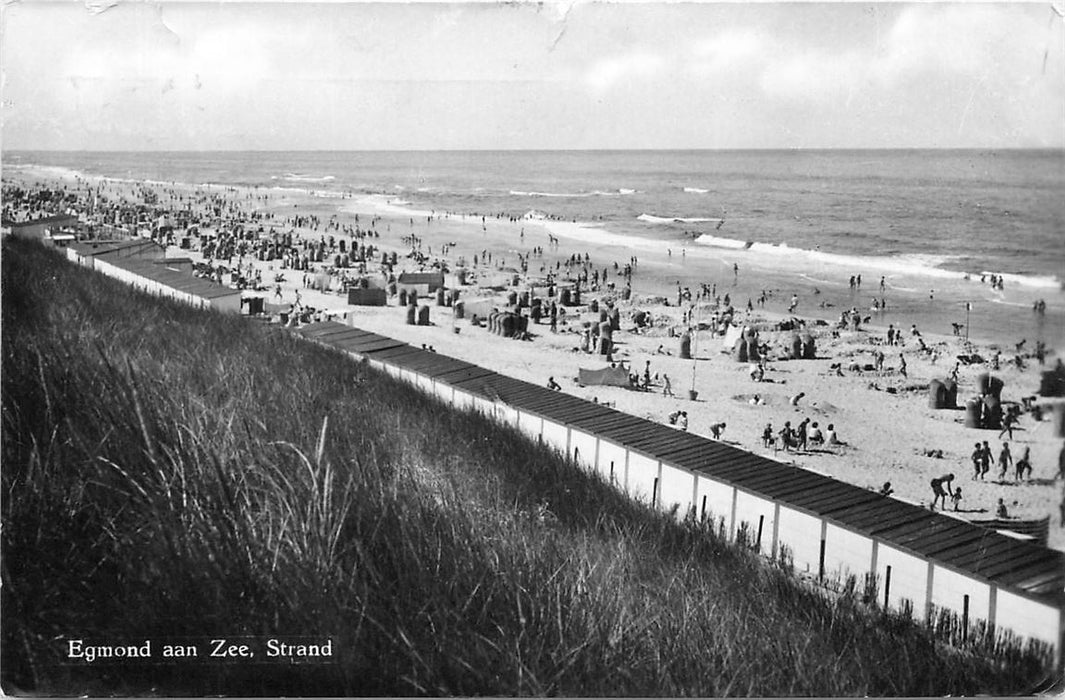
{"points": [[1005, 460], [800, 434], [978, 455], [767, 435], [937, 489], [667, 387], [902, 365]]}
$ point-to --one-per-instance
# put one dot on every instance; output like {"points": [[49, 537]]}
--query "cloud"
{"points": [[725, 50], [926, 43], [609, 72]]}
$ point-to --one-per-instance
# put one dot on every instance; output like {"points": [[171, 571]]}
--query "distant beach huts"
{"points": [[141, 264], [58, 229]]}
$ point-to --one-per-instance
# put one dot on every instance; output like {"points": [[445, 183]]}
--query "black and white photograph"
{"points": [[567, 348]]}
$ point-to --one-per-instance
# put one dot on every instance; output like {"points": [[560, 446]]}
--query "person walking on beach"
{"points": [[902, 365], [667, 387], [1024, 464], [1007, 424], [1005, 460], [937, 489]]}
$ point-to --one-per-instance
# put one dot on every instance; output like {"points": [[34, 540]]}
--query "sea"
{"points": [[931, 223]]}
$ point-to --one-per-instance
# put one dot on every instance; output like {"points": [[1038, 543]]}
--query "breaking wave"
{"points": [[905, 264], [652, 219], [596, 193]]}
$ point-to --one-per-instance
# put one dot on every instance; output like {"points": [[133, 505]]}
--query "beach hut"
{"points": [[937, 394], [686, 347], [952, 393], [739, 350], [366, 297], [421, 282], [423, 315], [1052, 382]]}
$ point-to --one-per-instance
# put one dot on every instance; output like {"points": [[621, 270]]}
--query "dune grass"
{"points": [[175, 473]]}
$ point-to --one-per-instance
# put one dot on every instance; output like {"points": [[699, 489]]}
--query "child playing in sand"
{"points": [[956, 498]]}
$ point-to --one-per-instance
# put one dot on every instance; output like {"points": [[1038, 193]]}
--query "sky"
{"points": [[106, 75]]}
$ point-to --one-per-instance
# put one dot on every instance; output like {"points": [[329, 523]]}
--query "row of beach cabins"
{"points": [[958, 576]]}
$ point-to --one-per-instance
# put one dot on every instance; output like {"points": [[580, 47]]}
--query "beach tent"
{"points": [[608, 376]]}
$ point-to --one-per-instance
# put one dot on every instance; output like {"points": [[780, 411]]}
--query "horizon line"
{"points": [[535, 150]]}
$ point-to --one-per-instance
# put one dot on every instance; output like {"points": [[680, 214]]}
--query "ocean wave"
{"points": [[906, 264], [595, 193], [720, 242], [695, 190], [296, 177], [1034, 281], [652, 219]]}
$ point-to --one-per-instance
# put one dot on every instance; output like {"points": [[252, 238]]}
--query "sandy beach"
{"points": [[891, 433]]}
